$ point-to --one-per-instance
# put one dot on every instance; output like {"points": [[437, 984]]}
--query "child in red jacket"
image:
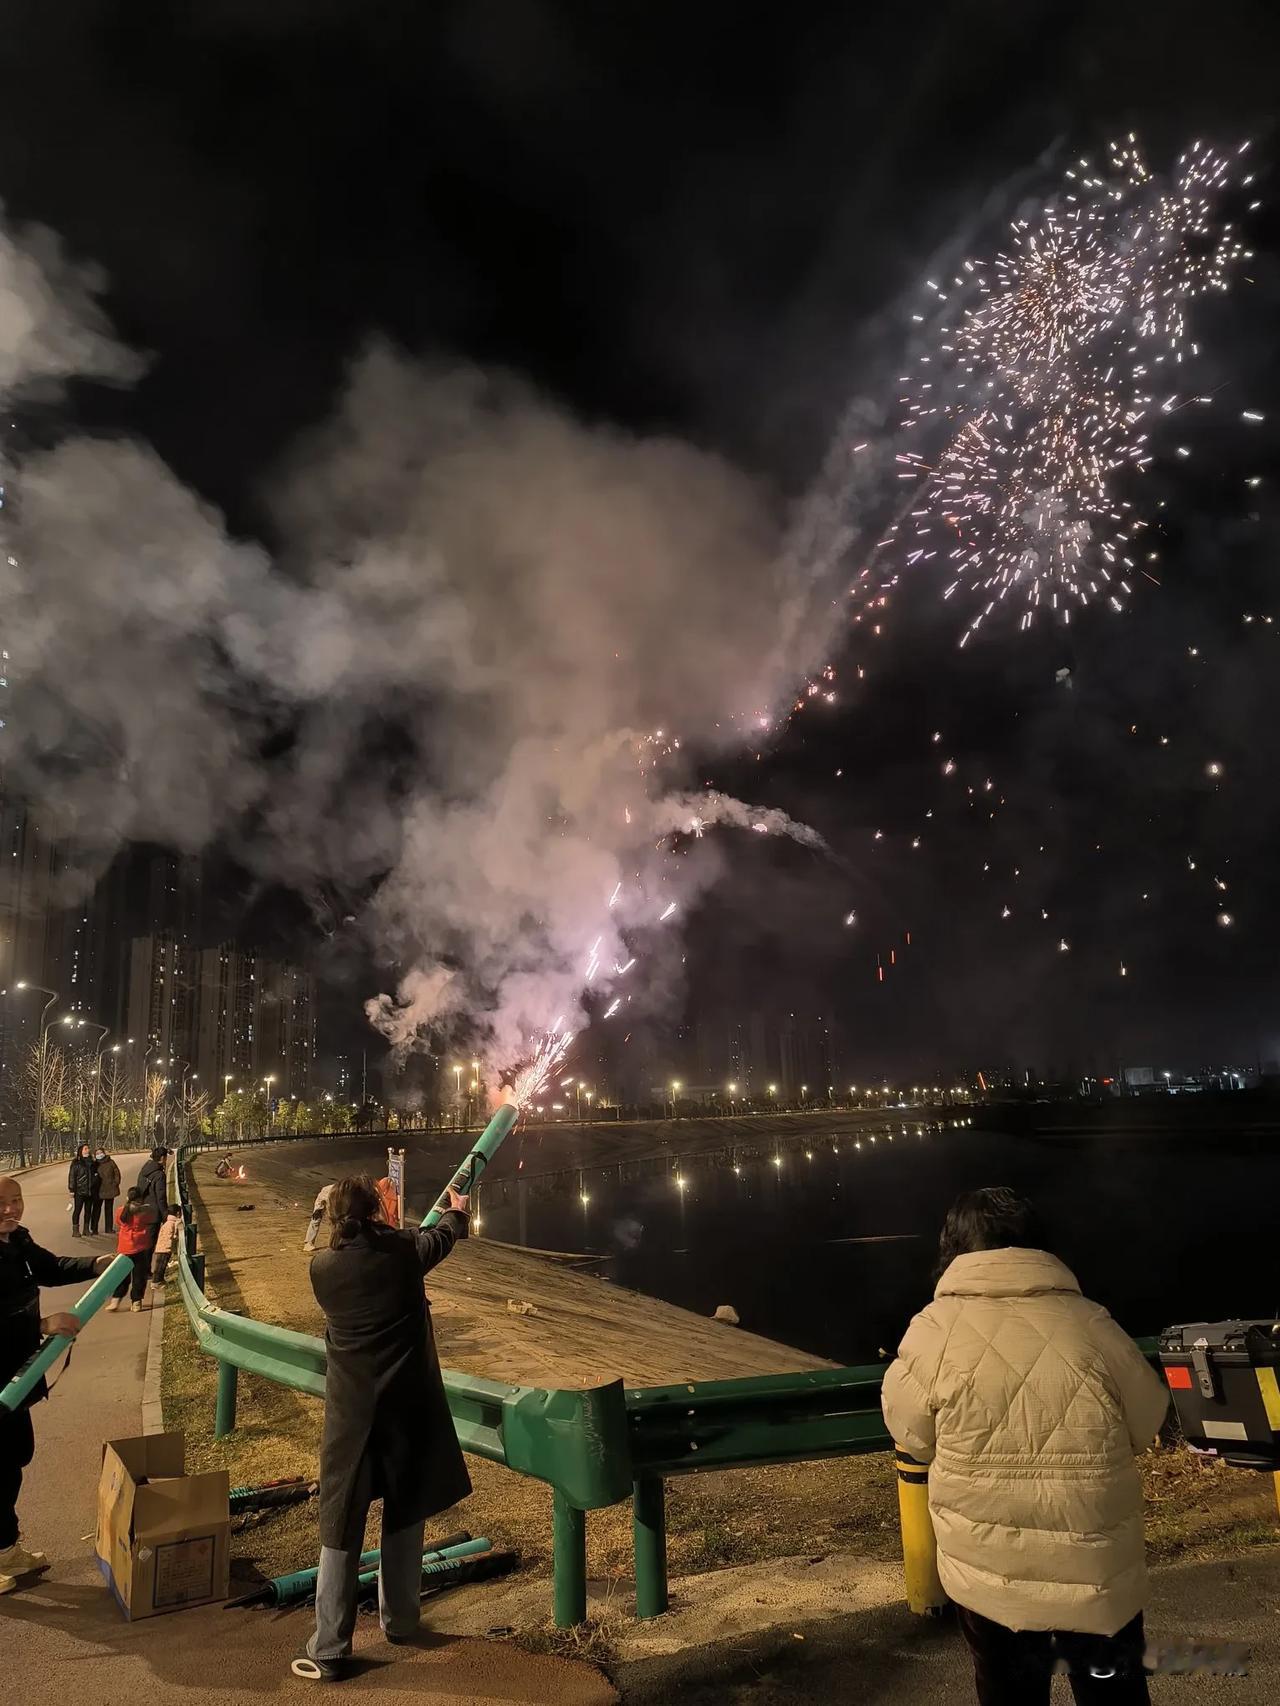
{"points": [[135, 1235]]}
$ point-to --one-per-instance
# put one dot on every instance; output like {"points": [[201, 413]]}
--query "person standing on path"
{"points": [[153, 1181], [1029, 1404], [24, 1267], [388, 1432], [82, 1187], [163, 1252], [317, 1218], [104, 1206], [135, 1237]]}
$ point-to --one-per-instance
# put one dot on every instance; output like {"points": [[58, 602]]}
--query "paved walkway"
{"points": [[65, 1640], [886, 1657]]}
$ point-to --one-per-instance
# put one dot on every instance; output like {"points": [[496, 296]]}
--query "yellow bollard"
{"points": [[919, 1549], [1270, 1390]]}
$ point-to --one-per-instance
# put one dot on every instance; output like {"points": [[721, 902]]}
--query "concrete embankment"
{"points": [[567, 1327]]}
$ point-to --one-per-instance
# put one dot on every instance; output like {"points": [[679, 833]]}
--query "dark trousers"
{"points": [[103, 1214], [1015, 1667], [83, 1206], [136, 1282], [160, 1266], [17, 1448]]}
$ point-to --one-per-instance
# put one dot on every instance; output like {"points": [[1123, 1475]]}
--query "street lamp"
{"points": [[103, 1032], [675, 1090], [42, 1059], [269, 1080]]}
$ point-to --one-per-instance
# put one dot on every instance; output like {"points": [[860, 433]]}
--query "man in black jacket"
{"points": [[82, 1188], [24, 1268], [153, 1183]]}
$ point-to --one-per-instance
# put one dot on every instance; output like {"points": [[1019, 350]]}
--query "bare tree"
{"points": [[112, 1093], [152, 1098], [44, 1095], [193, 1105]]}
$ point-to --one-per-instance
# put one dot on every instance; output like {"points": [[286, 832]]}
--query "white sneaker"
{"points": [[17, 1561], [113, 1305], [135, 1308]]}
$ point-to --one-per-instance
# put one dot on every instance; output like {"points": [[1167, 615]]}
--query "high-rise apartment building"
{"points": [[252, 1019]]}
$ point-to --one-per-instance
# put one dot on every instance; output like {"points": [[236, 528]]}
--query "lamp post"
{"points": [[74, 1023], [675, 1091], [733, 1092], [103, 1032], [111, 1104], [269, 1080], [41, 1057]]}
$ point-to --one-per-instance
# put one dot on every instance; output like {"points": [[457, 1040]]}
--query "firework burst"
{"points": [[1042, 385]]}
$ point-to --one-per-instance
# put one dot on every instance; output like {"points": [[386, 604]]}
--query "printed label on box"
{"points": [[184, 1570]]}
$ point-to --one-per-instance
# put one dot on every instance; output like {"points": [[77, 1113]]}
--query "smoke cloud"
{"points": [[469, 682]]}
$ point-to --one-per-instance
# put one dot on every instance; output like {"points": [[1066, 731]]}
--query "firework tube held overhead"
{"points": [[84, 1307], [490, 1141]]}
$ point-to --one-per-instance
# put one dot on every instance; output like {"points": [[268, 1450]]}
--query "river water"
{"points": [[829, 1242]]}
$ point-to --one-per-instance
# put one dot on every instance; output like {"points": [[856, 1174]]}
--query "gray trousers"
{"points": [[399, 1591]]}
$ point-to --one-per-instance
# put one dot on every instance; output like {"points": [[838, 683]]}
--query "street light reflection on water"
{"points": [[835, 1257]]}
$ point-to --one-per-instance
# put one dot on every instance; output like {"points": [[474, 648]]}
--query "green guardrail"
{"points": [[593, 1447]]}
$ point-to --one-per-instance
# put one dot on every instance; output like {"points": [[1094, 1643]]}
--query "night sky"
{"points": [[710, 222]]}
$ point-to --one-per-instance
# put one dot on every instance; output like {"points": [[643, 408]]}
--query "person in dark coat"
{"points": [[388, 1433], [108, 1191], [82, 1186], [153, 1182], [24, 1268]]}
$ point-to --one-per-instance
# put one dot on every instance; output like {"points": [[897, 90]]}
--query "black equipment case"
{"points": [[1222, 1378]]}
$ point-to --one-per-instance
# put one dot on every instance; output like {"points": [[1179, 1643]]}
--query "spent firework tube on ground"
{"points": [[279, 1591], [52, 1348], [487, 1146], [438, 1562]]}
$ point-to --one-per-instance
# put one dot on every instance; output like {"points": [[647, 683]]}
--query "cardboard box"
{"points": [[164, 1537]]}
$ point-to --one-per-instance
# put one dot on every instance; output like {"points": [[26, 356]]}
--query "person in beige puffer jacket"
{"points": [[1029, 1403]]}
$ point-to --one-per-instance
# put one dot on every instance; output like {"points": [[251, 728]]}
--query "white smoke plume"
{"points": [[695, 813], [484, 612], [51, 325]]}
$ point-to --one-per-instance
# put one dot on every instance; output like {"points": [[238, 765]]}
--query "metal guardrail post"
{"points": [[925, 1595], [224, 1414], [649, 1532], [568, 1561]]}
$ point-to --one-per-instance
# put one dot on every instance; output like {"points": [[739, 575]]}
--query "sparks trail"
{"points": [[1047, 381], [548, 1053]]}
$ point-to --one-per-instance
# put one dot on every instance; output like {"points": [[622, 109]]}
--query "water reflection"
{"points": [[827, 1241]]}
